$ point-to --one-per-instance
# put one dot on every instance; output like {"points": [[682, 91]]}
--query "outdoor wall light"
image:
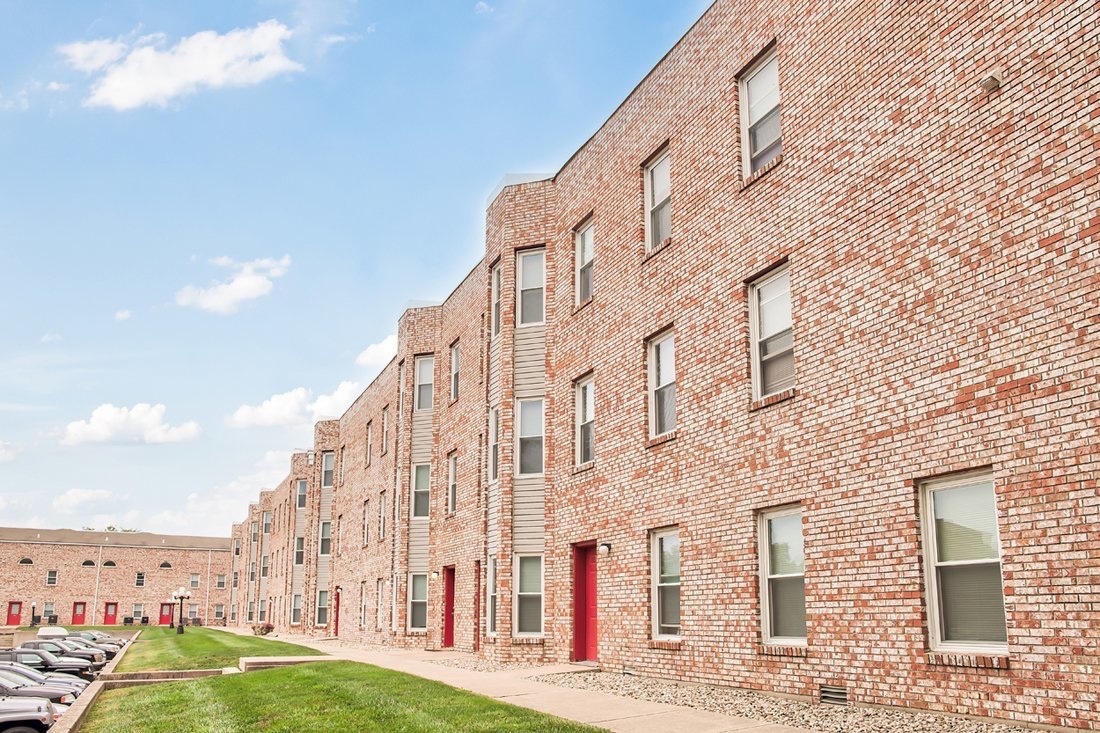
{"points": [[604, 548], [435, 575], [991, 82]]}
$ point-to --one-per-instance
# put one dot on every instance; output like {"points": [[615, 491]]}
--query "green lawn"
{"points": [[324, 696], [160, 647]]}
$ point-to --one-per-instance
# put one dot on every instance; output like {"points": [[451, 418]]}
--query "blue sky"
{"points": [[212, 215]]}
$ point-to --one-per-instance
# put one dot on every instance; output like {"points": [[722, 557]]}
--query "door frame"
{"points": [[18, 616], [112, 616], [584, 565], [448, 640], [171, 611], [83, 613]]}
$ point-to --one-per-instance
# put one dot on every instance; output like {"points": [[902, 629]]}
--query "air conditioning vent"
{"points": [[833, 695]]}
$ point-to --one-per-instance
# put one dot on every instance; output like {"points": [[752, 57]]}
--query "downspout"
{"points": [[206, 604], [95, 596]]}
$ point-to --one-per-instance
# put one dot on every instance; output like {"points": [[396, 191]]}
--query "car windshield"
{"points": [[48, 656], [78, 643]]}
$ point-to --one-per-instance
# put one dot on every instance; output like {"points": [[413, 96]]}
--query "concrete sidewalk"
{"points": [[515, 686]]}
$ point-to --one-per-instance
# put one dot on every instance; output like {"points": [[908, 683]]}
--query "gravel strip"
{"points": [[749, 704], [481, 665]]}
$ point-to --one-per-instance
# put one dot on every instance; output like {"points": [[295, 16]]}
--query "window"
{"points": [[322, 608], [363, 603], [340, 534], [301, 495], [529, 595], [425, 378], [296, 610], [666, 583], [236, 548], [454, 370], [452, 481], [219, 611], [530, 436], [401, 387], [51, 577], [110, 564], [251, 610], [325, 545], [586, 250], [531, 290], [418, 602], [193, 610], [299, 550], [662, 384], [139, 580], [965, 592], [236, 578], [382, 515], [421, 483], [166, 565], [491, 605], [267, 522], [366, 521], [494, 286], [760, 113], [195, 580], [343, 450], [139, 610], [252, 571], [26, 561], [263, 567], [220, 581], [494, 443], [328, 464], [255, 536], [47, 609], [232, 613], [586, 421], [772, 338], [379, 607], [88, 564], [369, 443], [783, 589], [385, 428], [658, 198], [393, 602]]}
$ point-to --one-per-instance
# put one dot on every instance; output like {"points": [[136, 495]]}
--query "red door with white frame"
{"points": [[79, 613], [585, 640], [15, 612], [166, 614], [110, 614], [449, 606]]}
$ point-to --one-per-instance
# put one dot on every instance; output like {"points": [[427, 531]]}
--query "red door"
{"points": [[166, 614], [585, 640], [449, 606], [110, 614], [78, 613], [15, 611]]}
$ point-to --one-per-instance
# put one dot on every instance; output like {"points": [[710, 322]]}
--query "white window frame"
{"points": [[394, 584], [413, 491], [252, 572], [317, 609], [542, 596], [362, 604], [493, 464], [580, 387], [418, 383], [137, 611], [587, 229], [754, 331], [452, 481], [380, 596], [321, 539], [366, 522], [650, 205], [494, 310], [251, 611], [267, 522], [265, 564], [328, 469], [219, 582], [931, 583], [764, 553], [654, 582], [302, 495], [520, 436], [381, 515], [219, 611], [299, 550], [456, 356], [255, 532], [408, 611], [296, 609], [520, 287], [139, 579], [652, 351], [196, 579], [492, 597], [385, 430], [236, 578], [369, 448], [743, 97]]}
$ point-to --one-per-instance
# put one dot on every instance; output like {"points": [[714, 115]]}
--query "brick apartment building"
{"points": [[85, 577]]}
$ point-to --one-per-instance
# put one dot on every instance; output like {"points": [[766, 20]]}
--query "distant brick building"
{"points": [[85, 577]]}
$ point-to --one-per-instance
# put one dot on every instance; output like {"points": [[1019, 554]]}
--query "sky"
{"points": [[212, 215]]}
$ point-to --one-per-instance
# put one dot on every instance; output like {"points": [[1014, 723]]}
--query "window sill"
{"points": [[967, 659], [781, 650], [580, 306], [672, 645], [584, 467], [773, 399], [650, 252], [452, 402], [661, 439], [753, 178], [416, 632], [528, 640]]}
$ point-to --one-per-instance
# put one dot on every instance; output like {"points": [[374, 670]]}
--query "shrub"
{"points": [[263, 629]]}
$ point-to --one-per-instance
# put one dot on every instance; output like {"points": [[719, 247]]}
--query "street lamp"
{"points": [[179, 595], [33, 606]]}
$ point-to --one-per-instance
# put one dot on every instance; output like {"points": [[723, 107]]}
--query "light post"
{"points": [[33, 606], [179, 595]]}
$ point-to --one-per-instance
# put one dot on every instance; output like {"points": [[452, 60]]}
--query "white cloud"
{"points": [[378, 355], [8, 452], [50, 338], [74, 500], [482, 7], [143, 423], [144, 72], [249, 281], [92, 56], [123, 315], [296, 408], [56, 86], [334, 405]]}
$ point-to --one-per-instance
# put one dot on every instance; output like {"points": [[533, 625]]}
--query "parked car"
{"points": [[109, 649], [61, 648], [27, 714], [98, 637], [18, 686], [52, 678], [45, 661], [52, 632]]}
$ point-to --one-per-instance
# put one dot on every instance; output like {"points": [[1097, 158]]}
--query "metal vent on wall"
{"points": [[833, 695]]}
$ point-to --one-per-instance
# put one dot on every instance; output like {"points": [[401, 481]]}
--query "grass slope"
{"points": [[329, 696], [200, 648]]}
